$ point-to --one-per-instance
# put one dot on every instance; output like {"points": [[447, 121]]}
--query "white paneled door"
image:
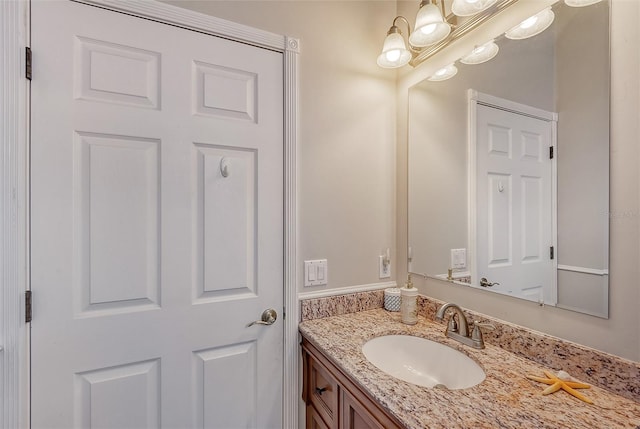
{"points": [[514, 209], [156, 225]]}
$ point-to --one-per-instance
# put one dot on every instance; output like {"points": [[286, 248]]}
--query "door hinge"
{"points": [[27, 306], [284, 313], [28, 68], [551, 252], [550, 152]]}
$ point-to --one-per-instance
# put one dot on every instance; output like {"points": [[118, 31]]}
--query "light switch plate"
{"points": [[316, 273]]}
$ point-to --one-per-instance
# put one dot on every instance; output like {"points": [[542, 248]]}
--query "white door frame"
{"points": [[476, 98], [14, 190]]}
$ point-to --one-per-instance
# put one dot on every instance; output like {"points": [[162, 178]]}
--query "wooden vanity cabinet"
{"points": [[333, 401]]}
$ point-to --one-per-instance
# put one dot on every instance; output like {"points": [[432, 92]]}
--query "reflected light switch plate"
{"points": [[458, 258]]}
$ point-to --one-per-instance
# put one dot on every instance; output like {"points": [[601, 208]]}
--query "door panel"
{"points": [[125, 396], [216, 371], [225, 270], [116, 218], [157, 224]]}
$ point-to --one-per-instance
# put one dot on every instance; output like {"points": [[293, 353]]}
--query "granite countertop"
{"points": [[506, 399]]}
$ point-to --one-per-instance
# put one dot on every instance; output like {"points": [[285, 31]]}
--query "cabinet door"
{"points": [[314, 421], [356, 416]]}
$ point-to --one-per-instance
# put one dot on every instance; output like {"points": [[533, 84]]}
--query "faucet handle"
{"points": [[452, 326], [476, 334]]}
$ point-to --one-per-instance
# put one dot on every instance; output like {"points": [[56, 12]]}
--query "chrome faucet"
{"points": [[459, 330]]}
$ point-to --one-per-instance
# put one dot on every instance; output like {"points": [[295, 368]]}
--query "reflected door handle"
{"points": [[269, 317], [486, 283]]}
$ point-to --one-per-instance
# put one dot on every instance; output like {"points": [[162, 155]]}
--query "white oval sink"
{"points": [[423, 362]]}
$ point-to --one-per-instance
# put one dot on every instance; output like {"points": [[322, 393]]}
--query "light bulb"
{"points": [[470, 7], [531, 26], [393, 55], [481, 54], [479, 49], [529, 22], [580, 3], [428, 29], [444, 73]]}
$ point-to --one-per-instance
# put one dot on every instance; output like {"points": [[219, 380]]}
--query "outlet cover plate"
{"points": [[385, 271]]}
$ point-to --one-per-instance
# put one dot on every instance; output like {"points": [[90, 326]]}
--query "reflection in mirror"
{"points": [[485, 199]]}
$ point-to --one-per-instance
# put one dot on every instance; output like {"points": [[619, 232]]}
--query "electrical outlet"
{"points": [[385, 268]]}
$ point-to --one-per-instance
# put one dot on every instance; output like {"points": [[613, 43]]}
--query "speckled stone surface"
{"points": [[621, 376], [506, 399], [340, 304]]}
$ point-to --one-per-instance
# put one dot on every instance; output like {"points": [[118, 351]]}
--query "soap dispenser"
{"points": [[409, 303]]}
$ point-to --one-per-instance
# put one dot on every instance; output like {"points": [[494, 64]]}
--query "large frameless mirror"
{"points": [[509, 167]]}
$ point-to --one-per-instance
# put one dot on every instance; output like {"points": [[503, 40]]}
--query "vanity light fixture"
{"points": [[470, 7], [481, 54], [431, 26], [434, 29], [532, 26], [394, 51], [444, 73], [580, 3]]}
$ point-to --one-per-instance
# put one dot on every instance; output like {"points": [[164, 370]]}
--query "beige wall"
{"points": [[347, 128], [620, 334]]}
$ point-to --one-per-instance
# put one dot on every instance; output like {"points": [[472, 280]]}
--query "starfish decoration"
{"points": [[557, 383]]}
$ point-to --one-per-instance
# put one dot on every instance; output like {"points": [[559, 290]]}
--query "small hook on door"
{"points": [[224, 167], [500, 186]]}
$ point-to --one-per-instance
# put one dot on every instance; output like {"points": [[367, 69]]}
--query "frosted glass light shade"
{"points": [[430, 27], [471, 7], [394, 52], [444, 73], [532, 26], [481, 54], [580, 3]]}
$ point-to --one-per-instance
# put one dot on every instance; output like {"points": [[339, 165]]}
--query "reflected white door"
{"points": [[157, 225], [514, 210]]}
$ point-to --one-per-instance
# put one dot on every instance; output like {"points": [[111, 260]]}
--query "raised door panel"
{"points": [[225, 233], [314, 421], [355, 415], [232, 370], [124, 396], [117, 224]]}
